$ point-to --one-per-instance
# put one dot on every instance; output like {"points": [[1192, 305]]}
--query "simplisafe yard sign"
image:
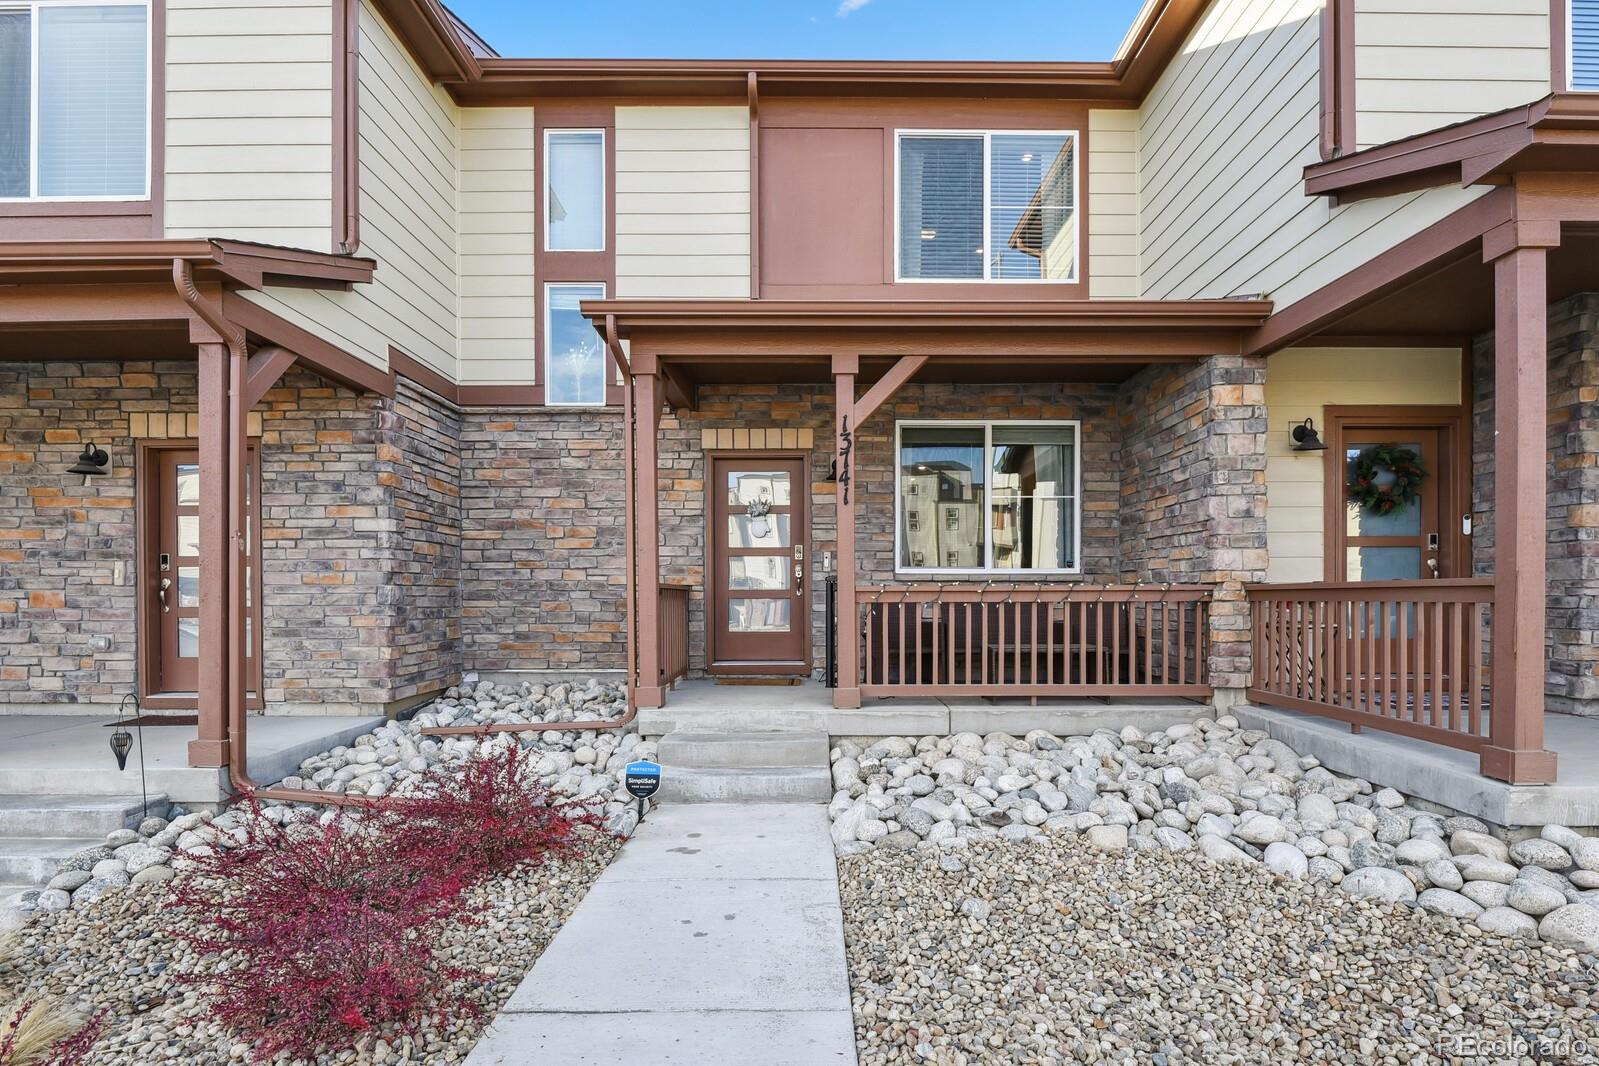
{"points": [[642, 779]]}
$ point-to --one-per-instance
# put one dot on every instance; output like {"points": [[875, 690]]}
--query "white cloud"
{"points": [[849, 7]]}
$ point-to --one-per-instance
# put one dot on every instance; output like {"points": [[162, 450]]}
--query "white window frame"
{"points": [[544, 343], [987, 569], [987, 137], [544, 205], [1571, 51], [33, 7]]}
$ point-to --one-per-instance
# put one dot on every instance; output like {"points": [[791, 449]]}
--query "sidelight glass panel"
{"points": [[188, 638], [770, 531], [188, 485], [942, 467], [745, 487], [759, 616], [575, 203], [188, 535], [188, 586], [765, 572]]}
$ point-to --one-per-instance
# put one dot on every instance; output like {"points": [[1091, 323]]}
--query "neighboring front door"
{"points": [[758, 617], [172, 569], [1409, 544]]}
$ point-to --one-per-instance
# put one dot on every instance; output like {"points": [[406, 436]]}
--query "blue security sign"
{"points": [[642, 779]]}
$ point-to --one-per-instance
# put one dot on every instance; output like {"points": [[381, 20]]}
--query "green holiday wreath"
{"points": [[1380, 495]]}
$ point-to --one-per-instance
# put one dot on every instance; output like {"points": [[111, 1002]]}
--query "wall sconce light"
{"points": [[93, 462], [1306, 439]]}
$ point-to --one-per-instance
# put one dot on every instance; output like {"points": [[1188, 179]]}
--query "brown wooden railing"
{"points": [[674, 632], [1023, 640], [1408, 657]]}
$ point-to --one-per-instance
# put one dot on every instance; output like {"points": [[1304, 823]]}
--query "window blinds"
{"points": [[1585, 44], [92, 100]]}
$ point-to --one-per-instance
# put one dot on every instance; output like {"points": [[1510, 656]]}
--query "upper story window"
{"points": [[1584, 23], [575, 363], [1008, 491], [74, 100], [987, 206], [574, 190]]}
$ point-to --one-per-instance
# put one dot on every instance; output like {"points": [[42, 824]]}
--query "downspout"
{"points": [[238, 759], [629, 416]]}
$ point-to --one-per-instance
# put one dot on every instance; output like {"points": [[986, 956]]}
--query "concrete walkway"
{"points": [[716, 937]]}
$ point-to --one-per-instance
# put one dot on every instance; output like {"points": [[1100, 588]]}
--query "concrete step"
{"points": [[689, 717], [34, 860], [735, 751], [57, 816], [763, 784]]}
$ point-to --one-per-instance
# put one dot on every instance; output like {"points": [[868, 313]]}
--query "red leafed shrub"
{"points": [[496, 813], [328, 930]]}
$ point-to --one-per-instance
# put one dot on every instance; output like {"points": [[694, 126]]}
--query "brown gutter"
{"points": [[614, 345], [238, 758]]}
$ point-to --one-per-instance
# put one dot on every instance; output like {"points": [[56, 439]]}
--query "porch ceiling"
{"points": [[1456, 301]]}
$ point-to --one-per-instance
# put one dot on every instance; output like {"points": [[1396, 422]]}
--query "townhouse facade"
{"points": [[393, 360]]}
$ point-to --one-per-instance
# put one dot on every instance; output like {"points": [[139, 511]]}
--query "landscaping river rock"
{"points": [[1051, 950], [1214, 791], [587, 765]]}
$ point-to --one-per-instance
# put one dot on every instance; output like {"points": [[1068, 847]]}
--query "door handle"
{"points": [[799, 580], [1432, 564], [161, 594]]}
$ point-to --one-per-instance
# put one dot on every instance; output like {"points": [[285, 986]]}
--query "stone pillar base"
{"points": [[1225, 699]]}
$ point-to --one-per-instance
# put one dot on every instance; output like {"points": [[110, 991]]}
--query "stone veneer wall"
{"points": [[1193, 495], [543, 583], [356, 604], [1572, 678]]}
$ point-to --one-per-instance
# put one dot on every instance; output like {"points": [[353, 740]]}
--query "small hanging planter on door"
{"points": [[757, 511], [1385, 478]]}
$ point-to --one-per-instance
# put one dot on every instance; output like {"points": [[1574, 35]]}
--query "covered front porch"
{"points": [[959, 507]]}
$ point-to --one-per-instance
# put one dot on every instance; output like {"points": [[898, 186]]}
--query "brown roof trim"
{"points": [[632, 315], [1417, 257], [431, 35], [1559, 132], [241, 262]]}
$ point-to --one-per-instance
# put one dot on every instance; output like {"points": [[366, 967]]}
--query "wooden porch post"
{"points": [[647, 542], [1519, 252], [210, 747], [846, 641]]}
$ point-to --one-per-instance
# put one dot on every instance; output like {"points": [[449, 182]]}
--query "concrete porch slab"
{"points": [[1446, 776], [50, 755], [680, 1038]]}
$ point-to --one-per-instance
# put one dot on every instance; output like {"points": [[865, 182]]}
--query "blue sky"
{"points": [[803, 29]]}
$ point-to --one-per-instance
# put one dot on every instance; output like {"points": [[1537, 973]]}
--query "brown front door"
{"points": [[757, 566], [172, 583], [1408, 545]]}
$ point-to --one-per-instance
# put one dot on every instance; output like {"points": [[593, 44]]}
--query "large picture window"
{"points": [[980, 206], [1008, 493], [74, 100], [574, 356]]}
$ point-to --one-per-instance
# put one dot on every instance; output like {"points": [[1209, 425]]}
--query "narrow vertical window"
{"points": [[574, 191], [574, 363]]}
